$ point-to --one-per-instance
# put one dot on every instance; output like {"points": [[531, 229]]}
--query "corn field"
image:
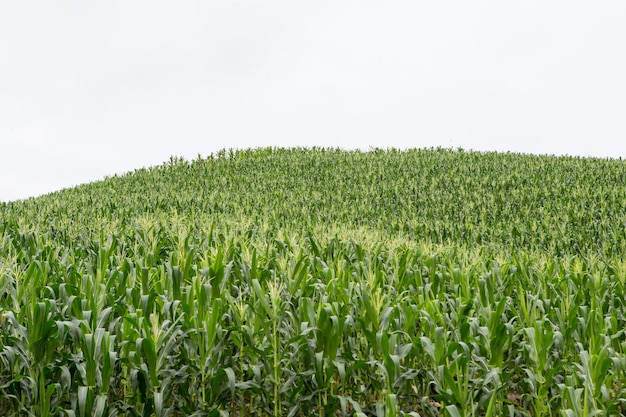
{"points": [[297, 282]]}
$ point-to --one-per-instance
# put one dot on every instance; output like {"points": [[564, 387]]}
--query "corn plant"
{"points": [[288, 282]]}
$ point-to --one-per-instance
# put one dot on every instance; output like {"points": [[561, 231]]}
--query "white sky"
{"points": [[89, 89]]}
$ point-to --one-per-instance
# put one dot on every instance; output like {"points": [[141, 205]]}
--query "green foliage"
{"points": [[320, 282]]}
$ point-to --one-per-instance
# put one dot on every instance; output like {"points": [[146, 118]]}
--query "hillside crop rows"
{"points": [[298, 282]]}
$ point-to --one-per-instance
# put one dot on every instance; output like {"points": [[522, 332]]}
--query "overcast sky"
{"points": [[90, 89]]}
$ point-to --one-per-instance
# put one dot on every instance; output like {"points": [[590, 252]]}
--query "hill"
{"points": [[299, 281]]}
